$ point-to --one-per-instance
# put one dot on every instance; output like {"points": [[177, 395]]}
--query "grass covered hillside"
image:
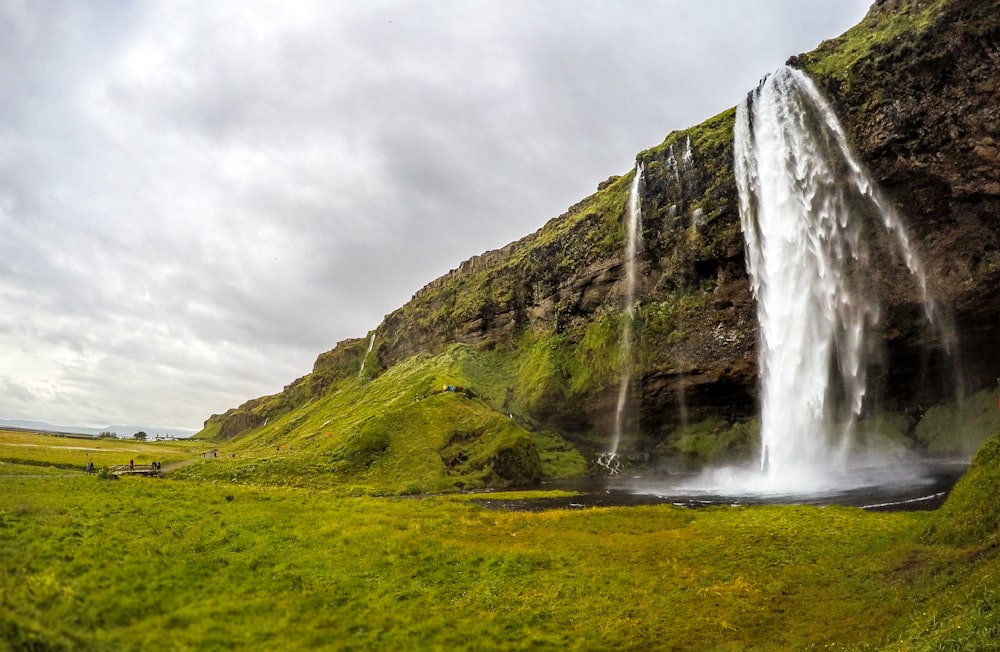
{"points": [[403, 431], [972, 514]]}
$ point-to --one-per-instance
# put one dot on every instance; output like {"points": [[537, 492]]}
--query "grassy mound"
{"points": [[430, 423], [972, 514]]}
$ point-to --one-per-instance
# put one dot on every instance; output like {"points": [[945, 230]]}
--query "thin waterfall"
{"points": [[680, 164], [371, 343], [804, 200], [632, 242]]}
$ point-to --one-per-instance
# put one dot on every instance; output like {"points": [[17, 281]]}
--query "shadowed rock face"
{"points": [[923, 110]]}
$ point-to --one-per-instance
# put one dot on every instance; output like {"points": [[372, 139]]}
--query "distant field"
{"points": [[73, 452]]}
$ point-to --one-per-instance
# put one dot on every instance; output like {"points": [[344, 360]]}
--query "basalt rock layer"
{"points": [[917, 85]]}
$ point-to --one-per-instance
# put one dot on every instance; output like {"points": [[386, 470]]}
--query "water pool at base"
{"points": [[922, 487]]}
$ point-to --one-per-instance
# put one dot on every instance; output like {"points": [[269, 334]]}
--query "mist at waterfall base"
{"points": [[925, 489], [805, 203]]}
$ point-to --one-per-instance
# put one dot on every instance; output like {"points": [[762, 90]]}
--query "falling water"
{"points": [[371, 343], [803, 199], [632, 242], [680, 164], [610, 460]]}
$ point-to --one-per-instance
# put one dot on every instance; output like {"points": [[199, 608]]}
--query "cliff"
{"points": [[916, 85]]}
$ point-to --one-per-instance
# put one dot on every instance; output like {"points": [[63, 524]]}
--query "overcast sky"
{"points": [[198, 198]]}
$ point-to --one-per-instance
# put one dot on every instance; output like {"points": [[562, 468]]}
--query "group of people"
{"points": [[155, 466]]}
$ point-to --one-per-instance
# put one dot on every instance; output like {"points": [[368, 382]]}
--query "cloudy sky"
{"points": [[198, 198]]}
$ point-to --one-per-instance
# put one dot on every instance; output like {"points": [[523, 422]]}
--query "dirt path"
{"points": [[177, 464]]}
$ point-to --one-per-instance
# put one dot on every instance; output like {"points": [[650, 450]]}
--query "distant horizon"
{"points": [[120, 430]]}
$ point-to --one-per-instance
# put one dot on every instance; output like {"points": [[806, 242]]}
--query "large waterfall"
{"points": [[805, 203]]}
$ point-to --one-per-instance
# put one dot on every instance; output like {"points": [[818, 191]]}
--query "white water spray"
{"points": [[632, 243], [371, 343], [803, 201]]}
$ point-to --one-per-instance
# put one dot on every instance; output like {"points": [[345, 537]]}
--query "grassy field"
{"points": [[73, 453], [155, 563]]}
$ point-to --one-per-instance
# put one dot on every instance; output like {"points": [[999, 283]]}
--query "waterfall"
{"points": [[371, 343], [632, 241], [679, 165], [805, 203]]}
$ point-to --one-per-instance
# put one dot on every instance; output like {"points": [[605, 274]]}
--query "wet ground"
{"points": [[921, 488]]}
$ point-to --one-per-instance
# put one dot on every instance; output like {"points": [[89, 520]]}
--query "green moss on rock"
{"points": [[712, 441], [897, 23]]}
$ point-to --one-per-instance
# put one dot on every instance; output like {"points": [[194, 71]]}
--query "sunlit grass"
{"points": [[13, 468], [147, 563]]}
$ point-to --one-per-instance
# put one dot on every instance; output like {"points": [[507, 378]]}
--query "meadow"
{"points": [[159, 563], [46, 450]]}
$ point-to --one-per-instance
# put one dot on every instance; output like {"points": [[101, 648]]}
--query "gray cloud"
{"points": [[198, 198]]}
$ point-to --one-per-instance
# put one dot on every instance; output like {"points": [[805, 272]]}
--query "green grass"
{"points": [[170, 564], [42, 449], [158, 563], [713, 441], [972, 513], [961, 426], [14, 468], [401, 432]]}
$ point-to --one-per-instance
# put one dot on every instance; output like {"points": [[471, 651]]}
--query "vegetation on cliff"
{"points": [[430, 423], [892, 23]]}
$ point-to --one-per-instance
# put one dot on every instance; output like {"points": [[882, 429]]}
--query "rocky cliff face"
{"points": [[565, 285], [916, 85]]}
